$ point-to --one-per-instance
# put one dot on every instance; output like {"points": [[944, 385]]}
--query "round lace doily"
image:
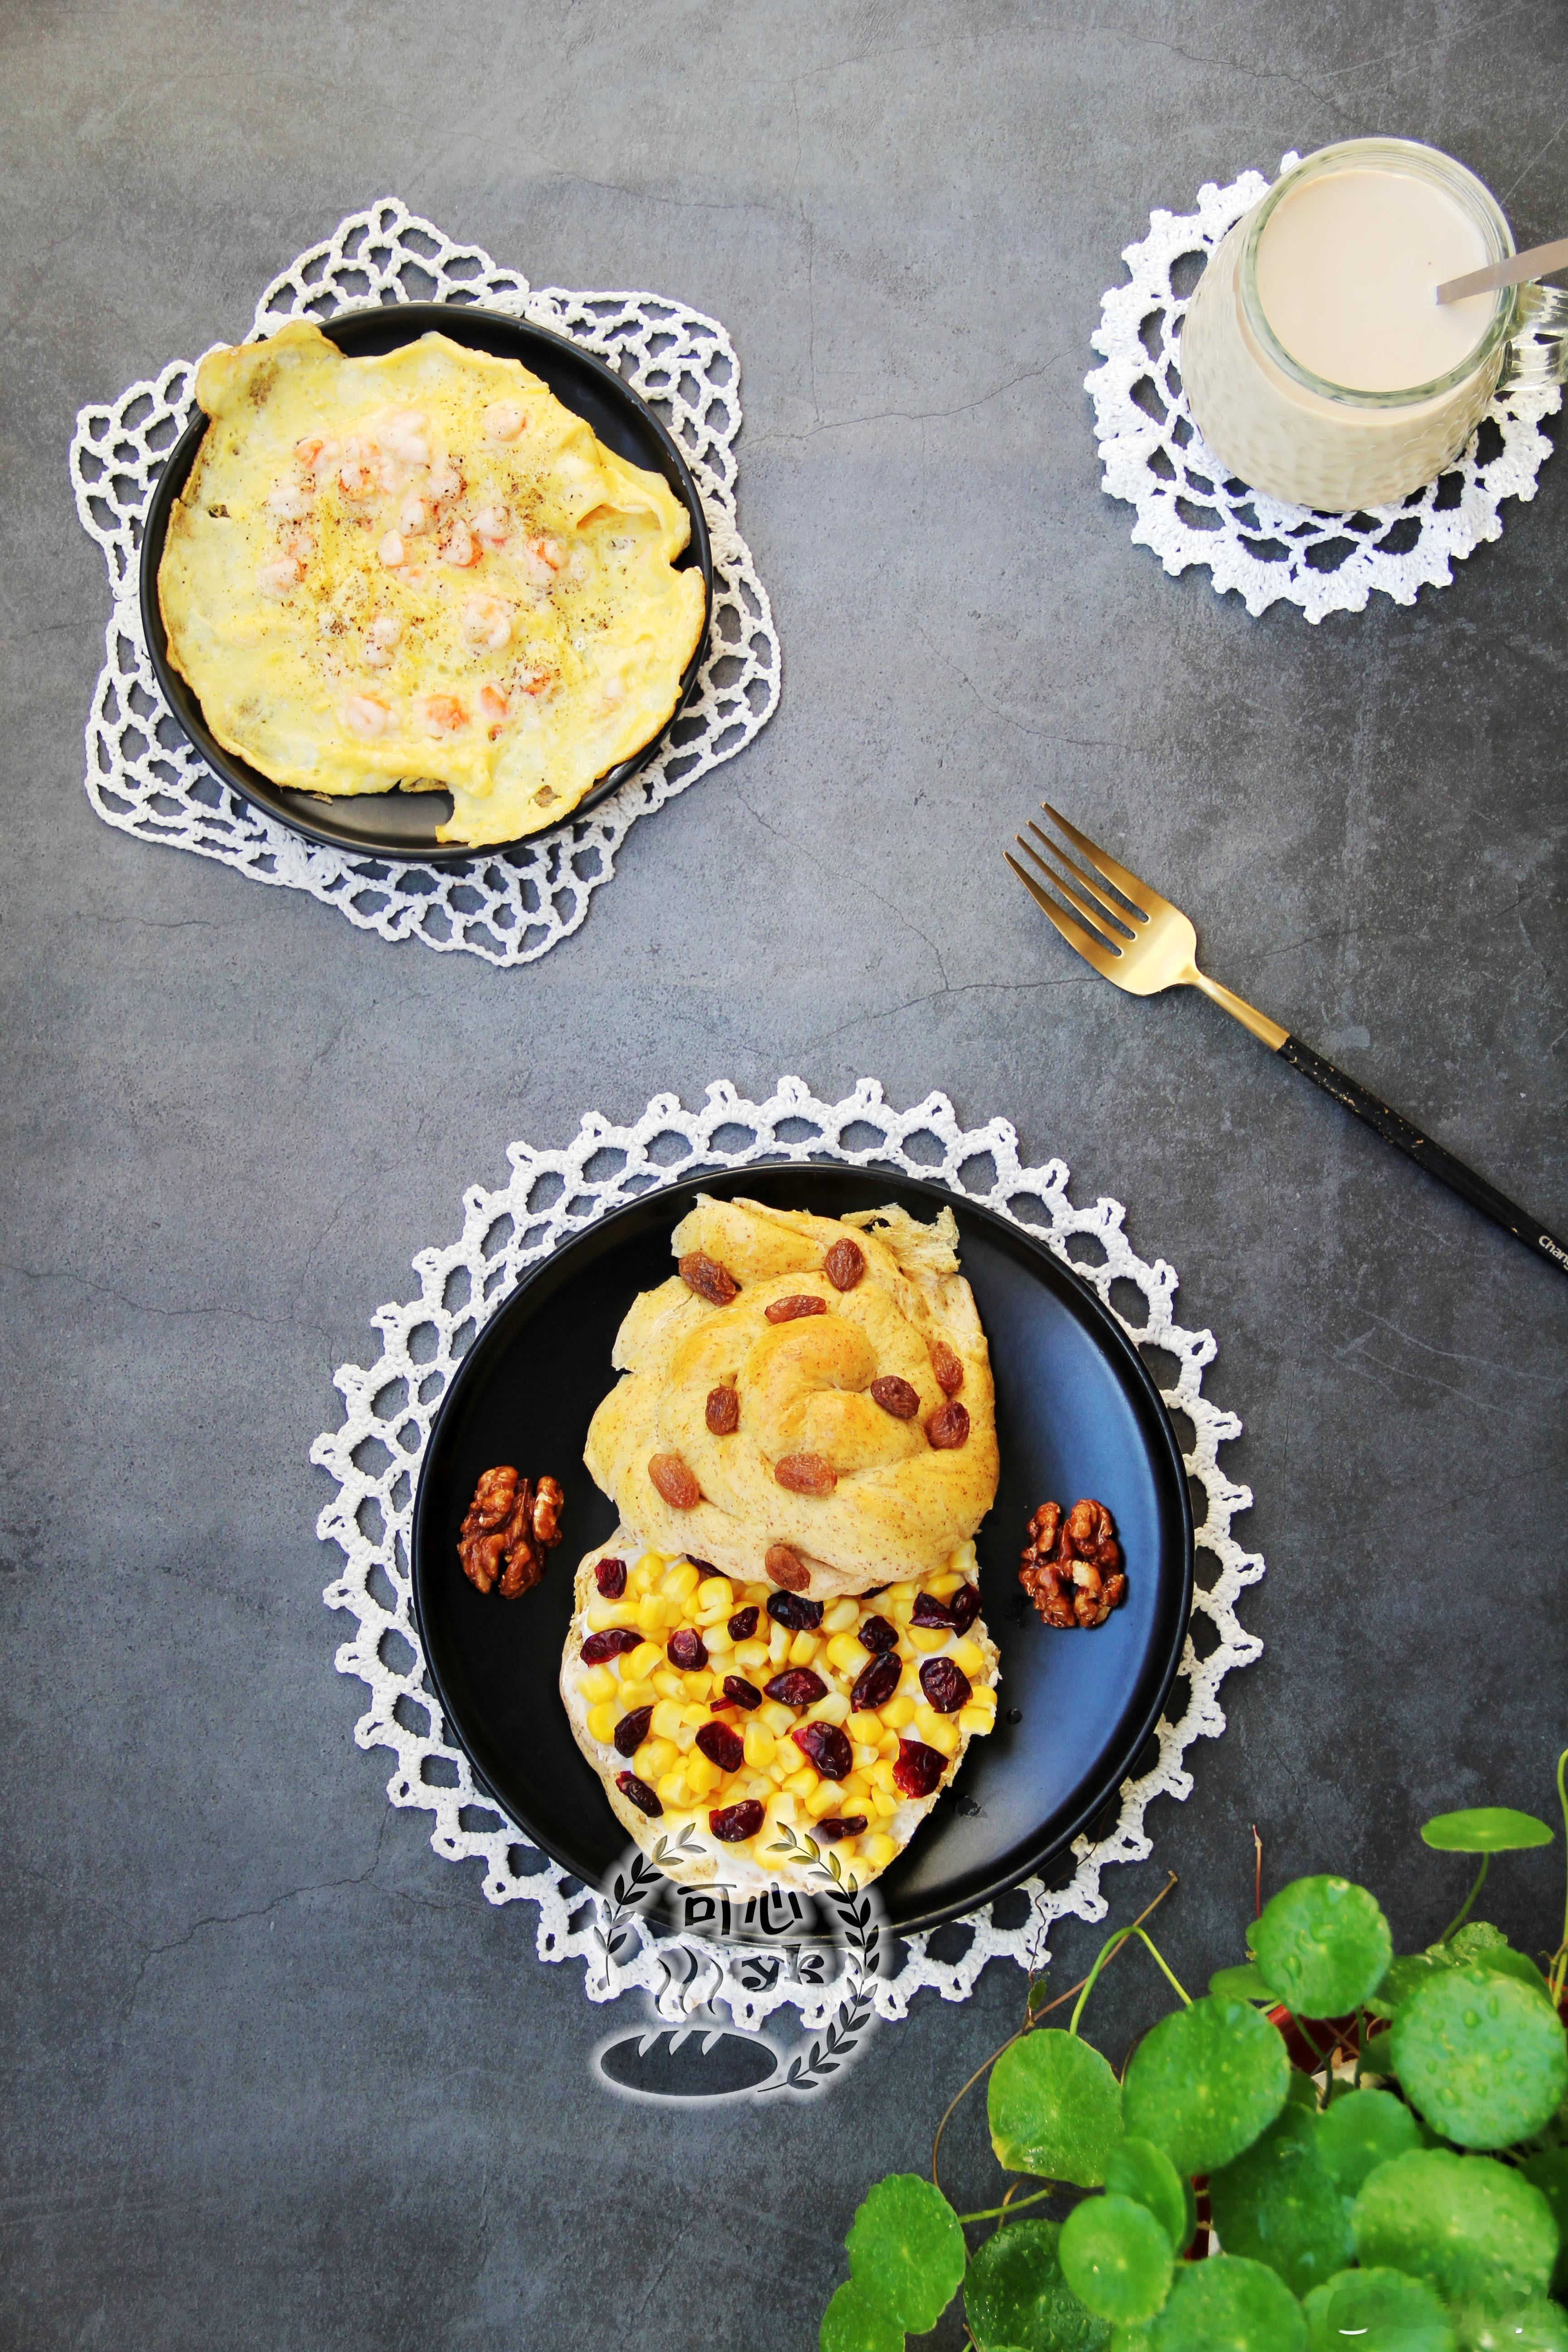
{"points": [[374, 1458], [143, 774], [1190, 512]]}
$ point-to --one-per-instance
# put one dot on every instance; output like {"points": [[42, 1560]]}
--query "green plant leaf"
{"points": [[1278, 2204], [1139, 2169], [1131, 2339], [1205, 2081], [1117, 2258], [1055, 2108], [1482, 2056], [1536, 2326], [1322, 1945], [1549, 2173], [1473, 1941], [1226, 2305], [853, 2322], [906, 2250], [1477, 2230], [1377, 2311], [1243, 1983], [1016, 2300], [1361, 2131], [1485, 1829]]}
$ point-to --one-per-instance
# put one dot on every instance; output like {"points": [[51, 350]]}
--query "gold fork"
{"points": [[1139, 942]]}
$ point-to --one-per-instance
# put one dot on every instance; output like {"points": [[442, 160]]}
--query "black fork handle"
{"points": [[1427, 1154]]}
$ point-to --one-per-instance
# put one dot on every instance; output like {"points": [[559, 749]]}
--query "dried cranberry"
{"points": [[705, 1568], [876, 1634], [918, 1769], [948, 1367], [743, 1624], [687, 1650], [896, 1396], [807, 1474], [790, 1310], [845, 1263], [965, 1607], [708, 1278], [789, 1609], [836, 1826], [948, 1426], [877, 1683], [743, 1692], [732, 1824], [824, 1745], [722, 1412], [632, 1730], [929, 1611], [946, 1685], [610, 1576], [641, 1794], [796, 1687], [786, 1568], [616, 1644], [721, 1747]]}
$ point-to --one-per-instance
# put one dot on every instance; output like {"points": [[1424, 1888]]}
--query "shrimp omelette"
{"points": [[421, 569]]}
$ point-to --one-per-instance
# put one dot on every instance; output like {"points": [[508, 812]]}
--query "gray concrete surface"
{"points": [[276, 2076]]}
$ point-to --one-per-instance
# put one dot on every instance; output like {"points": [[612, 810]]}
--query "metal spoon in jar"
{"points": [[1518, 270]]}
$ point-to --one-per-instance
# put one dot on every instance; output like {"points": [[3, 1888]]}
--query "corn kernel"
{"points": [[717, 1596], [602, 1719], [700, 1774], [882, 1776], [899, 1711], [782, 1807], [775, 1715], [717, 1638], [877, 1850], [601, 1614], [697, 1685], [760, 1744], [899, 1592], [865, 1755], [864, 1725], [654, 1759], [942, 1585], [842, 1618], [968, 1656], [678, 1583], [667, 1682], [779, 1767], [673, 1784], [802, 1649], [696, 1714], [665, 1719], [983, 1701], [778, 1643], [831, 1709], [801, 1783], [685, 1734], [596, 1683], [973, 1721], [747, 1654], [650, 1566], [635, 1694], [649, 1617], [927, 1639], [844, 1651], [888, 1745], [643, 1660], [823, 1800], [938, 1731], [751, 1784], [854, 1789], [884, 1804]]}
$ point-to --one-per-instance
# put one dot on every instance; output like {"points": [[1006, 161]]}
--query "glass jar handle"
{"points": [[1540, 311]]}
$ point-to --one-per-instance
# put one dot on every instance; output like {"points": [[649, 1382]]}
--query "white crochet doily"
{"points": [[388, 1408], [143, 774], [1190, 512]]}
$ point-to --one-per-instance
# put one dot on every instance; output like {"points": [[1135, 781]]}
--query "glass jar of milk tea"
{"points": [[1316, 361]]}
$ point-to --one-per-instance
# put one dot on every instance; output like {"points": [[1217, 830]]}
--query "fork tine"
{"points": [[1115, 942], [1087, 945], [1150, 901], [1107, 906]]}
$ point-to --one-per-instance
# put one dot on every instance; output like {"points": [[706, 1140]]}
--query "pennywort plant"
{"points": [[1382, 2142]]}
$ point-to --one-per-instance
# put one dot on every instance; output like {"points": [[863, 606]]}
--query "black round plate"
{"points": [[396, 823], [1077, 1413]]}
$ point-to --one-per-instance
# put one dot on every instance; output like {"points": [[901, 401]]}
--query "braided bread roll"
{"points": [[845, 1441]]}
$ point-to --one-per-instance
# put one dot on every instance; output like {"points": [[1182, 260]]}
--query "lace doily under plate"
{"points": [[1190, 512], [143, 774], [375, 1457]]}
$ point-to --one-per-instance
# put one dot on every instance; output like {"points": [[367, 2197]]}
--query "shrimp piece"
{"points": [[491, 524], [380, 638], [486, 624], [492, 706], [445, 481], [460, 548], [548, 551], [443, 714], [309, 451], [288, 502], [503, 420], [404, 434], [367, 715], [359, 476], [414, 514], [280, 576], [391, 549]]}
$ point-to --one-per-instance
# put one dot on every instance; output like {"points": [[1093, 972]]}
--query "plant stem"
{"points": [[988, 2063], [1108, 1951], [1560, 1962], [1465, 1908], [1256, 1874], [992, 2212]]}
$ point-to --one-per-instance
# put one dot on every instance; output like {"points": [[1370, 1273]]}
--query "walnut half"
{"points": [[1071, 1568], [507, 1530]]}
